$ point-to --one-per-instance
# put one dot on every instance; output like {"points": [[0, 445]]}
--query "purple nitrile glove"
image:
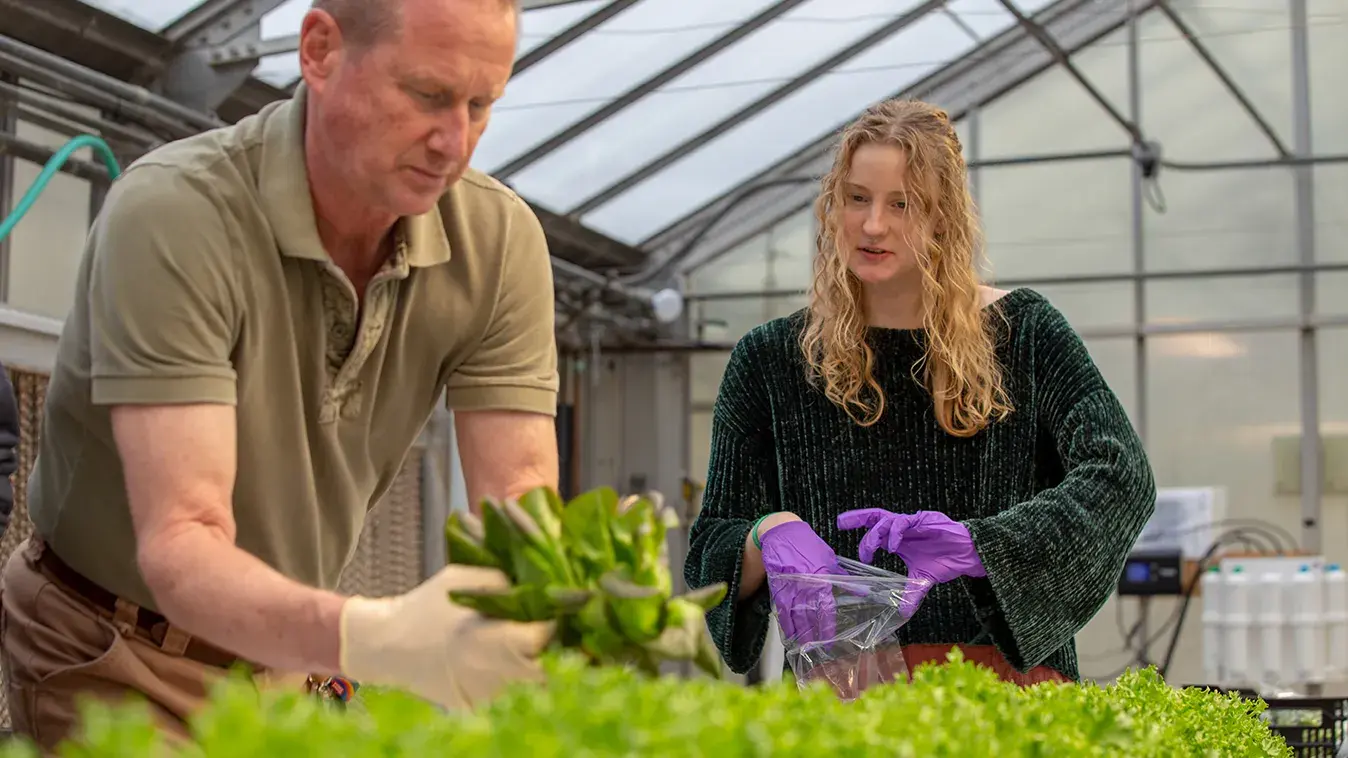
{"points": [[935, 548], [806, 610]]}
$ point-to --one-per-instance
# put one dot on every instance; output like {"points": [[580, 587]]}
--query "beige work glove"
{"points": [[426, 644]]}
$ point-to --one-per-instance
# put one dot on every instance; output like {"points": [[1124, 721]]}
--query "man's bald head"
{"points": [[367, 22]]}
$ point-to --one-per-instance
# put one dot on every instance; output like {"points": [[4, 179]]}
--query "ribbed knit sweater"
{"points": [[1054, 495]]}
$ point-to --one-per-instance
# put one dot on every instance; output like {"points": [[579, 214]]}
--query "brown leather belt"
{"points": [[151, 624]]}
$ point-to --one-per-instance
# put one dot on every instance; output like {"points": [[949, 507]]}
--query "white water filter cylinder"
{"points": [[1211, 588], [1307, 617], [1236, 626], [1336, 623], [1269, 621]]}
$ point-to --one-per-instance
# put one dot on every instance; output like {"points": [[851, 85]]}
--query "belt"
{"points": [[152, 624]]}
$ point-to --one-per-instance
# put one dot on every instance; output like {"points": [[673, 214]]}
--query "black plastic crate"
{"points": [[1314, 727]]}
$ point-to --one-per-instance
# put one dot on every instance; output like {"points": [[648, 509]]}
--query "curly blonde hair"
{"points": [[959, 366]]}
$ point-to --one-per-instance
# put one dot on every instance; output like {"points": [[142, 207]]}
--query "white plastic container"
{"points": [[1336, 622], [1212, 587], [1236, 627], [1306, 614], [1269, 625]]}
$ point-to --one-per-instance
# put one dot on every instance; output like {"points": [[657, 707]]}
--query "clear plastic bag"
{"points": [[870, 606]]}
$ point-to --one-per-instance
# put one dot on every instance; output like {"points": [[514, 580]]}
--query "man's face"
{"points": [[399, 120]]}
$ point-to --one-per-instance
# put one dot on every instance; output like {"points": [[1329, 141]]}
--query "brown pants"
{"points": [[56, 648]]}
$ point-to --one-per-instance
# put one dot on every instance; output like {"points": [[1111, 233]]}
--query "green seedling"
{"points": [[598, 566]]}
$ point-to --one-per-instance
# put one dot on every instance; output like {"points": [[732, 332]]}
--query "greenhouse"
{"points": [[1169, 178]]}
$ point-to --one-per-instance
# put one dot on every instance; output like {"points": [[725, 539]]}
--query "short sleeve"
{"points": [[515, 366], [161, 296]]}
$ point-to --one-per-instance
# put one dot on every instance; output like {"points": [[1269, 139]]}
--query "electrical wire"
{"points": [[51, 169], [1259, 535]]}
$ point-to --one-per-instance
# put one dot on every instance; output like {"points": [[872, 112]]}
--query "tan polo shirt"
{"points": [[204, 280]]}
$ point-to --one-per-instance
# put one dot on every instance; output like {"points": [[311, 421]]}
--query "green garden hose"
{"points": [[51, 169]]}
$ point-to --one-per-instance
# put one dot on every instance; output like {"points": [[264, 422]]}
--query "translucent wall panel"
{"points": [[777, 259], [1332, 351], [1329, 120], [1052, 114], [1214, 219], [1203, 433], [1056, 219], [1059, 218], [45, 247], [1093, 305], [1251, 41], [1230, 298]]}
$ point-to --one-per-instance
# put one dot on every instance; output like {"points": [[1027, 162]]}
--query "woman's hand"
{"points": [[806, 610], [935, 548]]}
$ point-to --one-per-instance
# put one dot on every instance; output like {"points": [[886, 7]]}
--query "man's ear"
{"points": [[320, 49]]}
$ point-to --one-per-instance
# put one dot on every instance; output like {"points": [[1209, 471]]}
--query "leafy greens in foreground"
{"points": [[956, 709], [597, 565]]}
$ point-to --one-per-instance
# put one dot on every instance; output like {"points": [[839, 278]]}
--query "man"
{"points": [[267, 315], [9, 448]]}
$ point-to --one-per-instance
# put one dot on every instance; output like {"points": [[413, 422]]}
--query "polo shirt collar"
{"points": [[284, 188]]}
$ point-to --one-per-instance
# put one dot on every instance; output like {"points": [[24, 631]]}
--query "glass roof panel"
{"points": [[711, 91], [284, 69], [607, 61], [149, 14], [539, 26], [753, 146], [988, 18]]}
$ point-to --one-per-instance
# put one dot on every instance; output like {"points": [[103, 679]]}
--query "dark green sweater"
{"points": [[1054, 495]]}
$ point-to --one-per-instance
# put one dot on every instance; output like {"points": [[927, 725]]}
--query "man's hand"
{"points": [[505, 453], [437, 649]]}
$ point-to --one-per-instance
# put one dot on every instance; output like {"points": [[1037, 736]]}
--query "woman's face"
{"points": [[881, 234]]}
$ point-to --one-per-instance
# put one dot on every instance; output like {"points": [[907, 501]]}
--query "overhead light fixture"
{"points": [[667, 305]]}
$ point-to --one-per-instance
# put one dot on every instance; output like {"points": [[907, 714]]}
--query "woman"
{"points": [[914, 419]]}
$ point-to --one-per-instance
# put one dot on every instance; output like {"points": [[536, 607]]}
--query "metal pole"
{"points": [[1138, 231], [1305, 211], [1130, 276], [99, 123], [100, 90]]}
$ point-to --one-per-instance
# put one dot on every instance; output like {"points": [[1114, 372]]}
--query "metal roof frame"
{"points": [[80, 34], [661, 78], [843, 55], [991, 70], [221, 38]]}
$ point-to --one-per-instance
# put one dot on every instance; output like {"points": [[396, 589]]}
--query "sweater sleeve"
{"points": [[741, 486], [1053, 560]]}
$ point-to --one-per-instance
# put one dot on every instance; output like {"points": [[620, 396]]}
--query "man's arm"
{"points": [[504, 395], [179, 463], [164, 309], [505, 453]]}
